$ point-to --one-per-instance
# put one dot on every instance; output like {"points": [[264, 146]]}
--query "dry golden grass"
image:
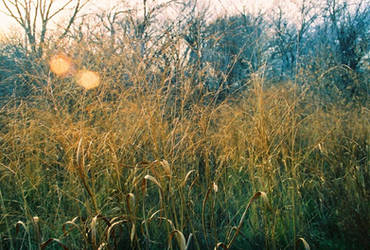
{"points": [[135, 161]]}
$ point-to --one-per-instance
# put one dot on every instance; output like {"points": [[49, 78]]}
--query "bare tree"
{"points": [[289, 37], [35, 15], [350, 26]]}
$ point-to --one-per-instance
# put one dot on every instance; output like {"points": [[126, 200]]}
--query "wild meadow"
{"points": [[104, 148]]}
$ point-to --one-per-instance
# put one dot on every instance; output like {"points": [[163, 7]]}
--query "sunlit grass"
{"points": [[142, 163]]}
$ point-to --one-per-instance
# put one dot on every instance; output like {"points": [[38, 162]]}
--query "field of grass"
{"points": [[150, 159]]}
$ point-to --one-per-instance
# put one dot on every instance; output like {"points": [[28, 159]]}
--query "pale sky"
{"points": [[219, 6]]}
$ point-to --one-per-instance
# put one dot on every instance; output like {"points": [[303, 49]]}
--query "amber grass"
{"points": [[148, 160]]}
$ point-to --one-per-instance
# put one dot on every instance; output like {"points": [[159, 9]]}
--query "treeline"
{"points": [[324, 45]]}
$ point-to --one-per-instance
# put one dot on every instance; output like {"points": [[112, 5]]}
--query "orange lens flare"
{"points": [[60, 65], [88, 79]]}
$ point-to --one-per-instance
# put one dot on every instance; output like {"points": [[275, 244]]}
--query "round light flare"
{"points": [[60, 64], [88, 79]]}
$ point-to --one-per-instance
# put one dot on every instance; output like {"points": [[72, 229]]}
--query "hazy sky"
{"points": [[216, 7], [219, 6]]}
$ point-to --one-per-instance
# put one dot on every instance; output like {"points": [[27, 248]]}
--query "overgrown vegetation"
{"points": [[185, 143]]}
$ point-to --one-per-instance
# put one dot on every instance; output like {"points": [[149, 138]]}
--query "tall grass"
{"points": [[151, 159]]}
